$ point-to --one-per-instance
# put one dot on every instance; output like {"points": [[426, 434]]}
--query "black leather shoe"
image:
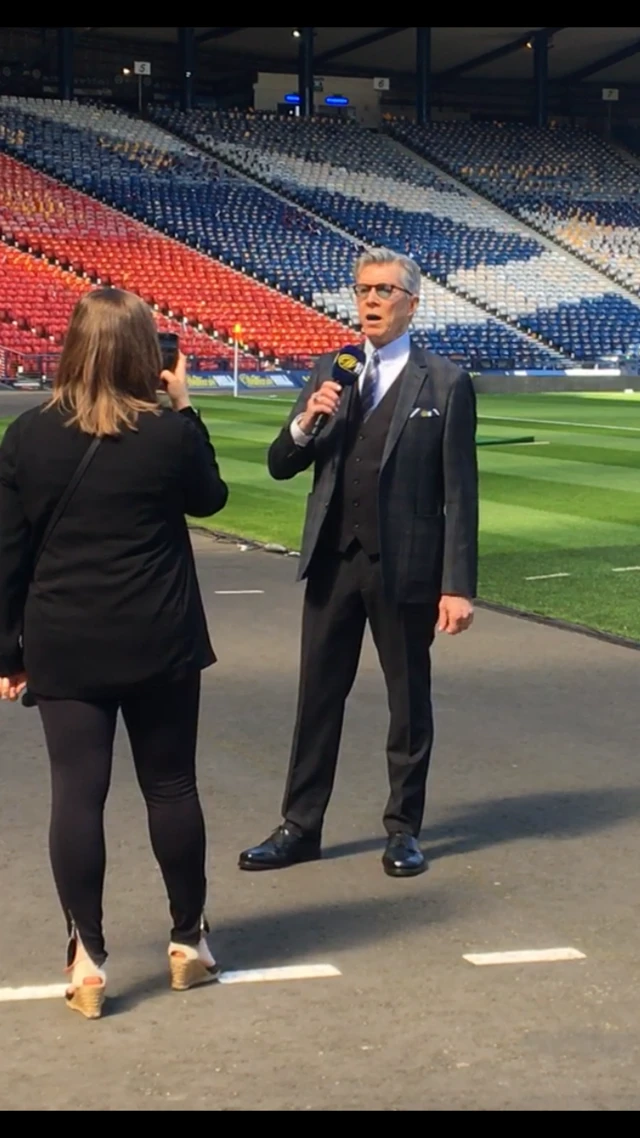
{"points": [[403, 857], [282, 849]]}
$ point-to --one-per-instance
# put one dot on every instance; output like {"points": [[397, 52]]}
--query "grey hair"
{"points": [[412, 276]]}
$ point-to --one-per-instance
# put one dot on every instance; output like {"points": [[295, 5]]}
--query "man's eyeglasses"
{"points": [[384, 291]]}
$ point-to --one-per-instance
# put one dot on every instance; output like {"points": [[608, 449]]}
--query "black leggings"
{"points": [[162, 724]]}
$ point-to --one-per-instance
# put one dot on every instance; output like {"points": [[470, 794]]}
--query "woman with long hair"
{"points": [[103, 614]]}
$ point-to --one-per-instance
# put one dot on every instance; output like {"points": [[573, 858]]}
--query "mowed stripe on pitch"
{"points": [[618, 457], [572, 508], [591, 410], [526, 527], [573, 499], [564, 472], [570, 496]]}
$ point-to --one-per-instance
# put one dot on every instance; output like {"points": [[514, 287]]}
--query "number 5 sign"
{"points": [[141, 68]]}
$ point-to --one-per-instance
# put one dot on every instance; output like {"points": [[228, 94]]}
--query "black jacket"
{"points": [[427, 486], [115, 602]]}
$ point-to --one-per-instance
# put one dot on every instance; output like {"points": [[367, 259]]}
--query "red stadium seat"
{"points": [[49, 220]]}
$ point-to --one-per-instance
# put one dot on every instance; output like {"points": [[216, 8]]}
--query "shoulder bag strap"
{"points": [[66, 497]]}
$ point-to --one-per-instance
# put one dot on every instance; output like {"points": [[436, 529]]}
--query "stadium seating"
{"points": [[37, 299], [568, 183], [44, 217], [23, 342], [379, 192], [180, 195], [130, 166]]}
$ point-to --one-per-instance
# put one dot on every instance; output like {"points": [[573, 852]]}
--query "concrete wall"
{"points": [[538, 384], [364, 101]]}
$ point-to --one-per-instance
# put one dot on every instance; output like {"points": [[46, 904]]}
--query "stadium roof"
{"points": [[602, 55]]}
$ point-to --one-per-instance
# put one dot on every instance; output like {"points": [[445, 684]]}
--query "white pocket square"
{"points": [[425, 413]]}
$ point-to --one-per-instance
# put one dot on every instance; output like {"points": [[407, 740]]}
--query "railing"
{"points": [[32, 368], [40, 368]]}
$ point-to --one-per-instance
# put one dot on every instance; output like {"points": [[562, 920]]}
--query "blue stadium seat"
{"points": [[187, 194]]}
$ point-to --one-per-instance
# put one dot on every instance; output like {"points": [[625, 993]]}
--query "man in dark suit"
{"points": [[390, 537]]}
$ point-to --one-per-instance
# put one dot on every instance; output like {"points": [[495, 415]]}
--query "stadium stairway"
{"points": [[600, 278], [41, 216], [570, 186], [42, 135], [472, 310], [354, 178], [37, 298]]}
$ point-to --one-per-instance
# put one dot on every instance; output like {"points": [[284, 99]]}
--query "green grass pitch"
{"points": [[560, 517]]}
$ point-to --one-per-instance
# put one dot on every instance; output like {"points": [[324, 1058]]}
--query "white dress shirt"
{"points": [[394, 357]]}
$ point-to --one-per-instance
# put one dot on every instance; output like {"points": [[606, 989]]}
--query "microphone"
{"points": [[348, 366]]}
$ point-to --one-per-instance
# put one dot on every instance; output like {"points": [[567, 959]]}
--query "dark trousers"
{"points": [[343, 592], [162, 724]]}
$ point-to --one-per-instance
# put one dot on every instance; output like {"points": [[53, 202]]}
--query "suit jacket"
{"points": [[428, 481], [115, 601]]}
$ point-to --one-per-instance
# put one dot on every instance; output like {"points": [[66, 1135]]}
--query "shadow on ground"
{"points": [[556, 816], [315, 933], [307, 934]]}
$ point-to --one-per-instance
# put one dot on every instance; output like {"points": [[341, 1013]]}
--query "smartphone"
{"points": [[169, 349]]}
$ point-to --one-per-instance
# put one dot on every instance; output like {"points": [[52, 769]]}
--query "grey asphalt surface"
{"points": [[15, 402], [532, 831]]}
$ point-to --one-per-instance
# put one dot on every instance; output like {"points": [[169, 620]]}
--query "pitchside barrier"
{"points": [[486, 382], [32, 375], [249, 382]]}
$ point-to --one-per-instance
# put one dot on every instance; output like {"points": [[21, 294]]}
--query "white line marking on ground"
{"points": [[553, 423], [269, 975], [533, 956], [48, 992], [628, 569], [240, 592], [547, 577], [251, 976]]}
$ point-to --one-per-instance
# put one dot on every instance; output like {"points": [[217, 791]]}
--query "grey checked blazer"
{"points": [[428, 482]]}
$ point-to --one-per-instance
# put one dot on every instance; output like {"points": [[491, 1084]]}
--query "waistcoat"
{"points": [[353, 513]]}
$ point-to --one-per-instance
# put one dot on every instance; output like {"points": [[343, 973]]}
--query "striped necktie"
{"points": [[370, 386]]}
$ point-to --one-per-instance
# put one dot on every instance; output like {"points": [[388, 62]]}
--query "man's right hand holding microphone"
{"points": [[324, 401]]}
